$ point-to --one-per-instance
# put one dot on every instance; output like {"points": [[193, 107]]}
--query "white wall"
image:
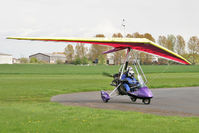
{"points": [[5, 59]]}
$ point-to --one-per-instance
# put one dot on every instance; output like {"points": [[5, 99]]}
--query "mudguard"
{"points": [[143, 92], [105, 96]]}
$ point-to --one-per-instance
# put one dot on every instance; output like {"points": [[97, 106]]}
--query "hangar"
{"points": [[49, 57]]}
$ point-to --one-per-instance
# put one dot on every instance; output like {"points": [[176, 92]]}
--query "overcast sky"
{"points": [[86, 18]]}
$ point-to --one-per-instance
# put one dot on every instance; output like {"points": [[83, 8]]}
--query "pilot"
{"points": [[129, 80]]}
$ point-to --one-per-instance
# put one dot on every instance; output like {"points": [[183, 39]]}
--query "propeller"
{"points": [[107, 74]]}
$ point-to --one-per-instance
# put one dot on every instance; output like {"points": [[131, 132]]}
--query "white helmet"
{"points": [[131, 73], [129, 68]]}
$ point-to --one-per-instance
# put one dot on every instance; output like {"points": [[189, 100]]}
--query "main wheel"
{"points": [[133, 99], [146, 101]]}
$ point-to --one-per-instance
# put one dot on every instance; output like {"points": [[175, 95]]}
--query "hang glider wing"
{"points": [[140, 44]]}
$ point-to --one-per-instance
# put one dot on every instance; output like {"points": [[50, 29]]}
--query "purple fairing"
{"points": [[143, 92], [105, 96]]}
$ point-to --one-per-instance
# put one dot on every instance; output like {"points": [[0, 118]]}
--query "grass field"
{"points": [[25, 91]]}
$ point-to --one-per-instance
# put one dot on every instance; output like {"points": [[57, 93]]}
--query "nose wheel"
{"points": [[104, 100], [105, 96]]}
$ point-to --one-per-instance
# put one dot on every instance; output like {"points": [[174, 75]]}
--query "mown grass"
{"points": [[25, 91], [87, 70], [50, 118]]}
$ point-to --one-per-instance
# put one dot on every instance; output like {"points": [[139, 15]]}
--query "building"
{"points": [[154, 59], [5, 58], [49, 57], [15, 61], [110, 59]]}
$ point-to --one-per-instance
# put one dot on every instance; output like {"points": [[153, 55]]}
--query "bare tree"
{"points": [[149, 36], [97, 50], [137, 35], [129, 36], [162, 40], [171, 42], [180, 45], [69, 52], [193, 45], [81, 51]]}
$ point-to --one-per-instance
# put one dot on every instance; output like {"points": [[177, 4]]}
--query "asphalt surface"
{"points": [[167, 101]]}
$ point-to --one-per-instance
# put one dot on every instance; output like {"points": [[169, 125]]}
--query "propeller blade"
{"points": [[107, 74]]}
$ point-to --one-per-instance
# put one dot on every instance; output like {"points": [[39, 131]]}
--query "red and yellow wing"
{"points": [[140, 44]]}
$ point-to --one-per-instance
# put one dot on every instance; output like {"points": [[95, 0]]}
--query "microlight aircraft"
{"points": [[130, 44]]}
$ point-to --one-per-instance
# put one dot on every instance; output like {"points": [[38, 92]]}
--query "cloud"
{"points": [[86, 18], [106, 27]]}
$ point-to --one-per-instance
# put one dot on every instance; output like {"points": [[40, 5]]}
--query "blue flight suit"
{"points": [[131, 81]]}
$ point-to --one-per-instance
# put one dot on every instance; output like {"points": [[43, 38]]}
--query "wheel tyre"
{"points": [[133, 99], [105, 101], [146, 101]]}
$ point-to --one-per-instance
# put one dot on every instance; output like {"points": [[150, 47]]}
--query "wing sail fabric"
{"points": [[140, 44]]}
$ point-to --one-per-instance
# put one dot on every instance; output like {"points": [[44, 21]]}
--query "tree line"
{"points": [[80, 54]]}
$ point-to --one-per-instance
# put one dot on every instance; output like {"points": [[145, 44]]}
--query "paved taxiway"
{"points": [[167, 101]]}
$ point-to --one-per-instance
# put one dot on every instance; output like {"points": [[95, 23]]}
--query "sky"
{"points": [[86, 18]]}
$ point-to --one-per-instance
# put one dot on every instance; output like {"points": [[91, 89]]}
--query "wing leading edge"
{"points": [[140, 44]]}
